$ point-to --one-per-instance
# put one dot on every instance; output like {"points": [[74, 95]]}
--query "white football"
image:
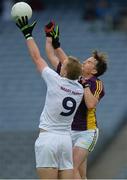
{"points": [[21, 9]]}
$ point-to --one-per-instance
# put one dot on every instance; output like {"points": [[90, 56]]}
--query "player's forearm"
{"points": [[35, 54], [89, 98], [50, 53], [33, 49], [61, 54]]}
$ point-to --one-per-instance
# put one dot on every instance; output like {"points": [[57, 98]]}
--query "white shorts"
{"points": [[54, 150], [85, 139]]}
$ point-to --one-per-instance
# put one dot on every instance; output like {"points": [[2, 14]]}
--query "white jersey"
{"points": [[62, 100]]}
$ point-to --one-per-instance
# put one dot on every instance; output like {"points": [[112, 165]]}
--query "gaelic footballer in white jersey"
{"points": [[62, 99]]}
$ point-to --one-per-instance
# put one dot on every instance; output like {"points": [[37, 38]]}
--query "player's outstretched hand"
{"points": [[55, 37], [52, 31], [26, 29], [49, 28]]}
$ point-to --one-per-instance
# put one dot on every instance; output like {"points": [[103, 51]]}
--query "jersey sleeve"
{"points": [[97, 88], [49, 75]]}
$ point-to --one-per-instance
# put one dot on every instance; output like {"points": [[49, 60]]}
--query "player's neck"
{"points": [[88, 76]]}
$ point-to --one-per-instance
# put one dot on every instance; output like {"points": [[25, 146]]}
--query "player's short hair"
{"points": [[73, 68], [101, 65]]}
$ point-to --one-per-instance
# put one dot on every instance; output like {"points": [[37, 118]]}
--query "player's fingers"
{"points": [[23, 20], [19, 23], [26, 19]]}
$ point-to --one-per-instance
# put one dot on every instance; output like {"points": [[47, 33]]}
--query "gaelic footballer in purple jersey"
{"points": [[85, 118]]}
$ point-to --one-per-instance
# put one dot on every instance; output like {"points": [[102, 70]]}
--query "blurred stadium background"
{"points": [[84, 26]]}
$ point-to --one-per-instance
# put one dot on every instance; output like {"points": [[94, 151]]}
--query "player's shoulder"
{"points": [[48, 70], [97, 84], [95, 80], [78, 86]]}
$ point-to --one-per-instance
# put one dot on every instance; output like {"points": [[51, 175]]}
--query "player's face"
{"points": [[89, 66]]}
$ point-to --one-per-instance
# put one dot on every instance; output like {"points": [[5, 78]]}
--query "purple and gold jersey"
{"points": [[85, 118]]}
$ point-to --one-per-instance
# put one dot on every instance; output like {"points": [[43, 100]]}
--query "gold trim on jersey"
{"points": [[99, 88], [91, 119]]}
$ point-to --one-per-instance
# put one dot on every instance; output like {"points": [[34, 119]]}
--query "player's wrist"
{"points": [[86, 85], [28, 38], [55, 44]]}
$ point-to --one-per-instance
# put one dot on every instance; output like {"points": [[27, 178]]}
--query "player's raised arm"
{"points": [[32, 46], [53, 44], [50, 53]]}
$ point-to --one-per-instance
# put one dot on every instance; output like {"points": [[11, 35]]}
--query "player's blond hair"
{"points": [[73, 68]]}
